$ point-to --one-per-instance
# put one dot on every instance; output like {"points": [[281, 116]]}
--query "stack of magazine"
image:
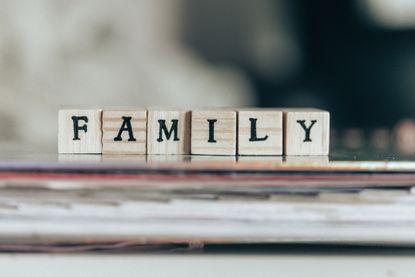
{"points": [[81, 202]]}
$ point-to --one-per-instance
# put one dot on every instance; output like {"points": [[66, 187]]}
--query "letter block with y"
{"points": [[168, 132], [79, 131], [124, 131], [214, 132], [306, 132], [259, 131]]}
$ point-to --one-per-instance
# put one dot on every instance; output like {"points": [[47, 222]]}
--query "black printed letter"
{"points": [[212, 130], [307, 129], [253, 131], [168, 133], [126, 126], [76, 127]]}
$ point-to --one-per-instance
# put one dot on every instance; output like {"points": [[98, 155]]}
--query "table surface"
{"points": [[207, 265]]}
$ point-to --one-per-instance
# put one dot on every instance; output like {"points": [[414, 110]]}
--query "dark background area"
{"points": [[347, 63], [354, 58]]}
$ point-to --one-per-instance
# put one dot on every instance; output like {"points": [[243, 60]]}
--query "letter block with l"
{"points": [[259, 131]]}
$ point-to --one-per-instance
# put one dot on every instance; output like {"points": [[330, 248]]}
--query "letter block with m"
{"points": [[168, 132]]}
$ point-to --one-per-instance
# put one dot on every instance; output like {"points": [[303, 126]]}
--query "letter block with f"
{"points": [[79, 131]]}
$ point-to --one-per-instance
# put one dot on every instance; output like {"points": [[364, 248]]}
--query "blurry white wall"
{"points": [[100, 52]]}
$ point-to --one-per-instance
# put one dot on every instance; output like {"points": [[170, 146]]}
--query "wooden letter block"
{"points": [[124, 131], [79, 131], [259, 132], [214, 132], [168, 132], [306, 132]]}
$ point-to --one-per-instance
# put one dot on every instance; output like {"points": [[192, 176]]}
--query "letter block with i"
{"points": [[79, 131], [214, 132], [168, 132], [260, 132], [124, 131], [306, 132]]}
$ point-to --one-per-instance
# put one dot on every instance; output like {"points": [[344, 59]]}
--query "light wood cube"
{"points": [[124, 131], [168, 132], [79, 131], [214, 132], [260, 132], [306, 132]]}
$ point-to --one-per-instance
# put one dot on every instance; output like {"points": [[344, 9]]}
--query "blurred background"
{"points": [[354, 58]]}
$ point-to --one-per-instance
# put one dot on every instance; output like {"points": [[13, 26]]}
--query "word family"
{"points": [[250, 131]]}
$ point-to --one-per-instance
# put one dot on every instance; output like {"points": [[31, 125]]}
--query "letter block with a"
{"points": [[79, 131], [168, 132], [260, 132], [214, 132], [306, 132], [124, 131]]}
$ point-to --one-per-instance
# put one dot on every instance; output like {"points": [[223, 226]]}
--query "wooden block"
{"points": [[306, 132], [124, 131], [259, 132], [79, 131], [214, 132], [168, 132]]}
